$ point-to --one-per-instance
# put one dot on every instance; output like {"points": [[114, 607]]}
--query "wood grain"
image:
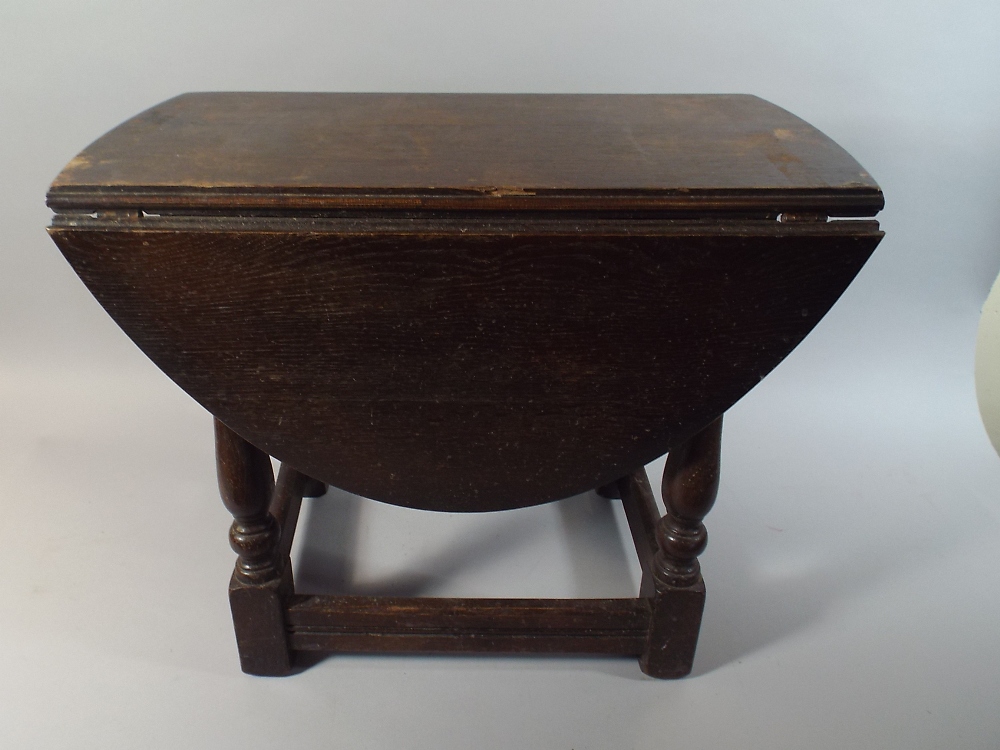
{"points": [[355, 623], [259, 151], [469, 371]]}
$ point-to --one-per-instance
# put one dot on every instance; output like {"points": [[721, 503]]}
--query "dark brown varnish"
{"points": [[269, 151], [457, 372], [466, 303]]}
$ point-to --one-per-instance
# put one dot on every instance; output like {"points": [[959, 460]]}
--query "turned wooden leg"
{"points": [[262, 579], [690, 484]]}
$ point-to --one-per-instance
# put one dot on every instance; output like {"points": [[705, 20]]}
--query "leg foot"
{"points": [[259, 621], [673, 632]]}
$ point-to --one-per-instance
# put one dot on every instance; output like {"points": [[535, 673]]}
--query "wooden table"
{"points": [[466, 303]]}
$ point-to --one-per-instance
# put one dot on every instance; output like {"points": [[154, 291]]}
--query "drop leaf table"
{"points": [[466, 303]]}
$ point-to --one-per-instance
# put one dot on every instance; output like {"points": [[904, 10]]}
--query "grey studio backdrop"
{"points": [[853, 568]]}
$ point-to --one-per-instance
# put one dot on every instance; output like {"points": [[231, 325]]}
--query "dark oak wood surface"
{"points": [[466, 303], [469, 370], [501, 151]]}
